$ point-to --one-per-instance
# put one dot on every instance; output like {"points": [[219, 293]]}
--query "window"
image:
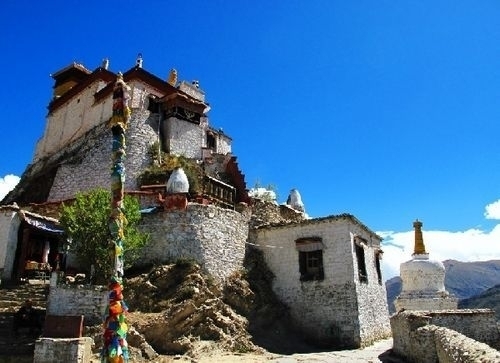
{"points": [[210, 140], [360, 257], [153, 105], [310, 258], [378, 257]]}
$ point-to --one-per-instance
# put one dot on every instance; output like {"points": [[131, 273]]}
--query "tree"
{"points": [[85, 222]]}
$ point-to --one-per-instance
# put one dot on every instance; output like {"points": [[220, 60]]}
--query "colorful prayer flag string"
{"points": [[115, 349]]}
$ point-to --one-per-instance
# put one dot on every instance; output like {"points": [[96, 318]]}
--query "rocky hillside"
{"points": [[175, 307], [463, 279], [487, 299]]}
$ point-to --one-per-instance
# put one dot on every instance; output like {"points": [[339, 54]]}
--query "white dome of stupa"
{"points": [[423, 280], [178, 181], [294, 200]]}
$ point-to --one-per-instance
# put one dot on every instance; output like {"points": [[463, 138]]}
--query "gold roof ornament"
{"points": [[419, 240], [172, 77]]}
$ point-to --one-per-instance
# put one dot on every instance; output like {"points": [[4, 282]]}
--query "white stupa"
{"points": [[178, 181], [295, 201], [423, 280]]}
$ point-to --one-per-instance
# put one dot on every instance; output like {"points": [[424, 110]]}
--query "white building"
{"points": [[327, 270]]}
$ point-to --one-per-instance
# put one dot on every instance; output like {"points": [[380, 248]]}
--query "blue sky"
{"points": [[386, 110]]}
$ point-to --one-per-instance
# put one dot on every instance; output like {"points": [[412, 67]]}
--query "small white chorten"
{"points": [[178, 181], [423, 280], [295, 201]]}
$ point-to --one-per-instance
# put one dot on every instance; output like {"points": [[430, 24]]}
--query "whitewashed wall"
{"points": [[9, 227], [335, 311], [72, 120]]}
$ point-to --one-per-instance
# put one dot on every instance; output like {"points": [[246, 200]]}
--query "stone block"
{"points": [[63, 326]]}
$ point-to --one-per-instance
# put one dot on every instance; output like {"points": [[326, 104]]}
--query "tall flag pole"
{"points": [[115, 348]]}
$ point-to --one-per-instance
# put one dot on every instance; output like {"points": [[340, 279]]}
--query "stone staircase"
{"points": [[22, 344]]}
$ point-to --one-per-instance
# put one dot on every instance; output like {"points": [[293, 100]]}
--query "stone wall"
{"points": [[184, 138], [223, 144], [415, 339], [336, 311], [50, 350], [452, 347], [90, 168], [214, 237], [87, 300], [265, 212]]}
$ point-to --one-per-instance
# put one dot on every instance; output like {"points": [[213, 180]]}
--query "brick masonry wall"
{"points": [[212, 236], [90, 301], [327, 310], [91, 167]]}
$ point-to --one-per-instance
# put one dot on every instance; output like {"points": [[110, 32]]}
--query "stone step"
{"points": [[17, 295], [11, 299]]}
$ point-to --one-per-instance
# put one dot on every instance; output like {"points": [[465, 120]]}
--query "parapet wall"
{"points": [[212, 236], [418, 336], [266, 212], [416, 302], [452, 347], [90, 301]]}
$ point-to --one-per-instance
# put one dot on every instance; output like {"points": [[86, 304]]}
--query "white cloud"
{"points": [[493, 210], [470, 245], [7, 183]]}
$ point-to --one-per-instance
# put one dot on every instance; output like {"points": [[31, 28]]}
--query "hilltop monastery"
{"points": [[327, 270]]}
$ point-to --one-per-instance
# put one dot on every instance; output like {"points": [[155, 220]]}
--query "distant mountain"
{"points": [[462, 279], [487, 299]]}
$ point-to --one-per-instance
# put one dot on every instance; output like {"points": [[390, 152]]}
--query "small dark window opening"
{"points": [[360, 256], [210, 140], [153, 106], [377, 267], [311, 265]]}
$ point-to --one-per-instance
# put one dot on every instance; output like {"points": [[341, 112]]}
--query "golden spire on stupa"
{"points": [[419, 240]]}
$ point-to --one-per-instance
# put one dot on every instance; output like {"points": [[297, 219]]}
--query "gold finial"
{"points": [[419, 240], [172, 77]]}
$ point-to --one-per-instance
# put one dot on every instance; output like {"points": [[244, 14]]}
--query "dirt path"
{"points": [[378, 352]]}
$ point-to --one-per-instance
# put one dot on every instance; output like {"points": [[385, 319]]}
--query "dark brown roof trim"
{"points": [[140, 74], [99, 74], [74, 65]]}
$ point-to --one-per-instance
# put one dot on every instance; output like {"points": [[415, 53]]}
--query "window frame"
{"points": [[310, 251]]}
